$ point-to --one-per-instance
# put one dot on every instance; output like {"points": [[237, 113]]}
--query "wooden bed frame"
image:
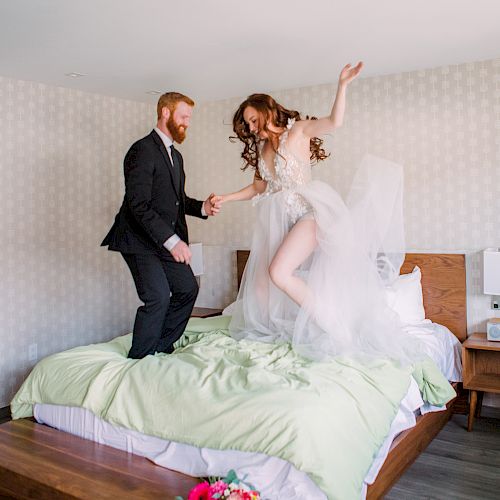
{"points": [[444, 293]]}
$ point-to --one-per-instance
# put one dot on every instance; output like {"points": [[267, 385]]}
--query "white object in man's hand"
{"points": [[181, 253]]}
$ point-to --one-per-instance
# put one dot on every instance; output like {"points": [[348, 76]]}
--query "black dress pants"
{"points": [[168, 290]]}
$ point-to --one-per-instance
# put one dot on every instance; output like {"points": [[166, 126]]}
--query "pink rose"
{"points": [[199, 492], [239, 495], [217, 487]]}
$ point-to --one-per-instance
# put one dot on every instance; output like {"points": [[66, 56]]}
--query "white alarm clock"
{"points": [[493, 329]]}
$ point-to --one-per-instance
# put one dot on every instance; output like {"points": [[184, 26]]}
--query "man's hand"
{"points": [[212, 204], [181, 253]]}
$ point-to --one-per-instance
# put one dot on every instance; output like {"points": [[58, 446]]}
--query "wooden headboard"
{"points": [[443, 286]]}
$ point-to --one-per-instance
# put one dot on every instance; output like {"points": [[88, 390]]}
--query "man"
{"points": [[151, 233]]}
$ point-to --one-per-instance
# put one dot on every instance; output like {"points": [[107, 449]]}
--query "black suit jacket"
{"points": [[153, 208]]}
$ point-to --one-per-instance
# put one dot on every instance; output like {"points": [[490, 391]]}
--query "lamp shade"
{"points": [[491, 271], [196, 258]]}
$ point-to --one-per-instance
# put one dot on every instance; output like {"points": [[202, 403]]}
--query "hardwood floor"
{"points": [[457, 465], [42, 463]]}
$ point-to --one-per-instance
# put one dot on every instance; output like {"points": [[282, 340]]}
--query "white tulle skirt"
{"points": [[360, 250]]}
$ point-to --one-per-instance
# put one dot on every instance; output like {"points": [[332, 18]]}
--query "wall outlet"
{"points": [[33, 352]]}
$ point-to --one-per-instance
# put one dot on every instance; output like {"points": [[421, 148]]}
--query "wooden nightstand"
{"points": [[481, 370], [205, 312]]}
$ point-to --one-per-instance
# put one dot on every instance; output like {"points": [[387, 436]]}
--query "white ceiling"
{"points": [[214, 49]]}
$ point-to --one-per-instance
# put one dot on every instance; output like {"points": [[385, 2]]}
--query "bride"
{"points": [[318, 265]]}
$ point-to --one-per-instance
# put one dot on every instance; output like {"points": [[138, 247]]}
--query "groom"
{"points": [[151, 233]]}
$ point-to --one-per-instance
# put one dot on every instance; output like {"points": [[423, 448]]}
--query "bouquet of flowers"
{"points": [[229, 488]]}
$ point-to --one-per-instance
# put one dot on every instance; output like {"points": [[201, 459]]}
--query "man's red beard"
{"points": [[178, 131]]}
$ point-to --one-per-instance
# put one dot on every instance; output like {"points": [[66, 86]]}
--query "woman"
{"points": [[317, 266]]}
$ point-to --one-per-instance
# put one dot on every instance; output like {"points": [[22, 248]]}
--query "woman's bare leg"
{"points": [[295, 249]]}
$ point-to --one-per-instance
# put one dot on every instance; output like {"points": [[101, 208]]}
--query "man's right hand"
{"points": [[181, 253], [212, 204]]}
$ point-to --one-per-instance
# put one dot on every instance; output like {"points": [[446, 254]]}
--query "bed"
{"points": [[443, 284]]}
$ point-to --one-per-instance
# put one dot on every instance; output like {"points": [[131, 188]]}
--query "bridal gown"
{"points": [[360, 248]]}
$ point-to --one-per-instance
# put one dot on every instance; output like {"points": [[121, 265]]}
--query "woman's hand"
{"points": [[348, 73], [219, 199]]}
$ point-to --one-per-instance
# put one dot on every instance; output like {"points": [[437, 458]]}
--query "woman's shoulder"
{"points": [[294, 126], [295, 129], [290, 128]]}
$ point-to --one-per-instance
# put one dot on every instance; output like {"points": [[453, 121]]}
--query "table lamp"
{"points": [[491, 286]]}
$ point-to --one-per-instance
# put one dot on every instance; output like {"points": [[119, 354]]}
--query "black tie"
{"points": [[176, 168]]}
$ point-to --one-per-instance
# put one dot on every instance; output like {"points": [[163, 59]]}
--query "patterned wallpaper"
{"points": [[61, 154], [441, 124]]}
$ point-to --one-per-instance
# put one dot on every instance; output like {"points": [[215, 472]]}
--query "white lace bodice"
{"points": [[289, 174]]}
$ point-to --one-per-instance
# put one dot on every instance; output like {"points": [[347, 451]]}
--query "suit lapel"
{"points": [[166, 157]]}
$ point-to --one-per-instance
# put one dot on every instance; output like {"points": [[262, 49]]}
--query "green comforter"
{"points": [[327, 418]]}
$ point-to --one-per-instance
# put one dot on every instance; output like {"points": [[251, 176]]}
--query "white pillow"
{"points": [[405, 297]]}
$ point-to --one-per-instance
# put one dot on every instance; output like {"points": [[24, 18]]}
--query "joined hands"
{"points": [[212, 204]]}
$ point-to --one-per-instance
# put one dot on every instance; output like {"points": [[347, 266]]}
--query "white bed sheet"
{"points": [[273, 477]]}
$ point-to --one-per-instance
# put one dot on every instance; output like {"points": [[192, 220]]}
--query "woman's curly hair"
{"points": [[268, 109]]}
